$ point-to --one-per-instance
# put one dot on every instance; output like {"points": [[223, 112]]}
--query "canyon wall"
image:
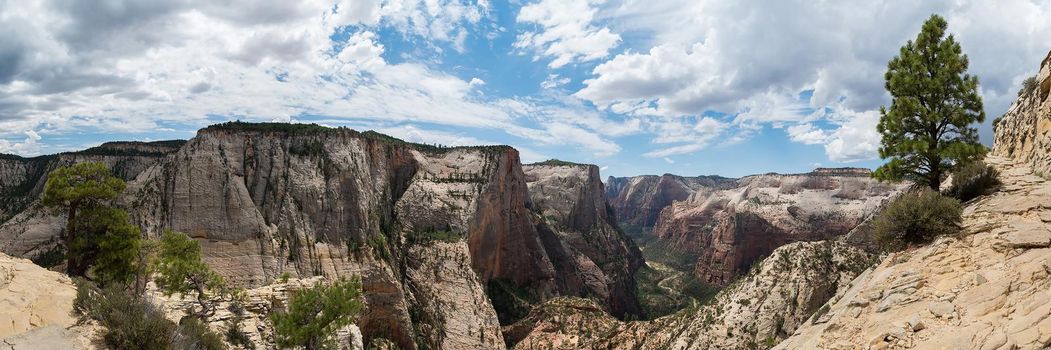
{"points": [[599, 259], [638, 200], [438, 235], [1023, 134]]}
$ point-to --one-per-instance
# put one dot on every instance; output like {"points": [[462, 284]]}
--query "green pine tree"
{"points": [[180, 269], [75, 187], [927, 130], [109, 243], [314, 314]]}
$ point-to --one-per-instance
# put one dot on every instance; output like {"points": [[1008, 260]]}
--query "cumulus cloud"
{"points": [[133, 65], [566, 31], [29, 146], [751, 61]]}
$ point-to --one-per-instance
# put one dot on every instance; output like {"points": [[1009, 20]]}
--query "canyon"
{"points": [[468, 248], [449, 242]]}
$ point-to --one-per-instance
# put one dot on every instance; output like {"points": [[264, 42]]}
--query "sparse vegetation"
{"points": [[132, 322], [1028, 86], [915, 218], [556, 162], [973, 180], [314, 314]]}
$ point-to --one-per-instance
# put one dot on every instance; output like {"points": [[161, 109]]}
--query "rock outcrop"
{"points": [[986, 288], [591, 255], [436, 234], [36, 308], [1023, 134], [637, 201], [27, 230], [729, 229], [763, 307]]}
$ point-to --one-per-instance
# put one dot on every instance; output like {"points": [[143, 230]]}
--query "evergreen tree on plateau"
{"points": [[927, 129], [75, 187]]}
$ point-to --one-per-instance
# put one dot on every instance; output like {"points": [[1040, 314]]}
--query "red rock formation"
{"points": [[637, 201], [728, 230]]}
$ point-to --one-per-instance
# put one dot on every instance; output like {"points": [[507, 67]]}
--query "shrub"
{"points": [[314, 314], [180, 269], [130, 322], [916, 218], [1028, 85], [973, 180], [194, 334]]}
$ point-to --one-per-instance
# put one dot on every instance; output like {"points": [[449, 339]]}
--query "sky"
{"points": [[690, 87]]}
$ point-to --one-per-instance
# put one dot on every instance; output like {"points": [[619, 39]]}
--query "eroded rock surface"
{"points": [[1024, 132], [729, 229], [598, 260], [987, 288], [765, 306], [36, 308]]}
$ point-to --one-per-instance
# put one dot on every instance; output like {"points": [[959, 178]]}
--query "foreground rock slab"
{"points": [[987, 288], [36, 308]]}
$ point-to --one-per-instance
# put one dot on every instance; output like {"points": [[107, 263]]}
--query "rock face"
{"points": [[638, 200], [729, 229], [765, 306], [25, 230], [434, 233], [591, 255], [1023, 134], [987, 288], [37, 307]]}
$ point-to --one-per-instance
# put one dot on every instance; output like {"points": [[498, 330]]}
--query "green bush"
{"points": [[915, 218], [129, 321], [973, 180], [1028, 85], [194, 334], [314, 314]]}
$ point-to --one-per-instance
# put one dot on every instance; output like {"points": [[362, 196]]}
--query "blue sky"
{"points": [[691, 87]]}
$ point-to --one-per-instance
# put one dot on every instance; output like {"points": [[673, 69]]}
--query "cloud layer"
{"points": [[631, 78]]}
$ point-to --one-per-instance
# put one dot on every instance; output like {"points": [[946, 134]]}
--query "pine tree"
{"points": [[927, 130], [180, 269], [314, 314], [75, 187]]}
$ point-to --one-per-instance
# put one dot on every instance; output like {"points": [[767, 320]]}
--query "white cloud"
{"points": [[807, 134], [752, 60], [135, 66], [566, 31], [855, 139], [29, 146]]}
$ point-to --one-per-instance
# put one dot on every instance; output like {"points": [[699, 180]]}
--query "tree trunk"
{"points": [[72, 263], [935, 179]]}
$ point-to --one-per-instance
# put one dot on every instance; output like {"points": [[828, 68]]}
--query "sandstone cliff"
{"points": [[1023, 134], [637, 201], [26, 230], [763, 307], [729, 229], [599, 260], [437, 234]]}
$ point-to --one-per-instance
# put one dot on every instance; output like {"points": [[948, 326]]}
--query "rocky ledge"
{"points": [[986, 288]]}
